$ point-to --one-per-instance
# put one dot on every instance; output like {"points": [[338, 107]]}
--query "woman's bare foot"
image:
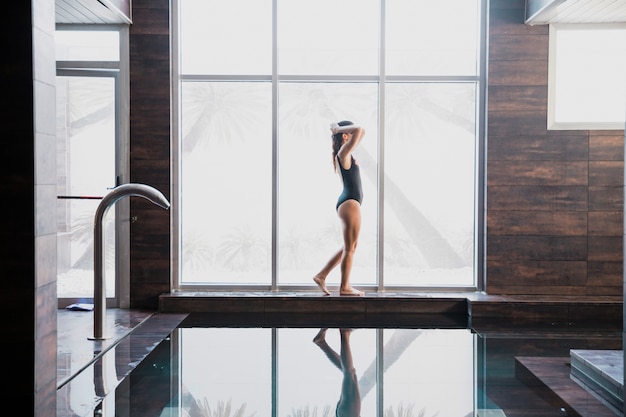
{"points": [[321, 282], [320, 337], [351, 292]]}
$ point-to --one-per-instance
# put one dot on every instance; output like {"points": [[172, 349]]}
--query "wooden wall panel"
{"points": [[606, 198], [538, 273], [554, 198], [517, 47], [539, 223], [533, 197], [606, 147], [538, 173], [533, 248], [150, 150], [537, 148], [516, 98]]}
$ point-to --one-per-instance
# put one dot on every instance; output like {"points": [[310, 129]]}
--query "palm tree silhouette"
{"points": [[215, 113], [202, 408]]}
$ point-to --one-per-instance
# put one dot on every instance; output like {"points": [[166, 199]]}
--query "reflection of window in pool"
{"points": [[404, 371]]}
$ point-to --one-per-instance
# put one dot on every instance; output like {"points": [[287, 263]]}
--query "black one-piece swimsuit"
{"points": [[352, 189]]}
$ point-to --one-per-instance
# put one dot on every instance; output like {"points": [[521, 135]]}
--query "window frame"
{"points": [[479, 205], [119, 71], [553, 99]]}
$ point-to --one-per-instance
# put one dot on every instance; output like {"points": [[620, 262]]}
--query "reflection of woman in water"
{"points": [[349, 404]]}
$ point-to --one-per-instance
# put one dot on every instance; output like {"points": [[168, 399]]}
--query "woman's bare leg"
{"points": [[320, 278], [320, 340], [350, 400], [350, 215]]}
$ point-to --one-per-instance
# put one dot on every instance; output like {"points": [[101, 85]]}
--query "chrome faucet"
{"points": [[99, 296]]}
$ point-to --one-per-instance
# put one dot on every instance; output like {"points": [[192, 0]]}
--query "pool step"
{"points": [[600, 372], [550, 378], [308, 302]]}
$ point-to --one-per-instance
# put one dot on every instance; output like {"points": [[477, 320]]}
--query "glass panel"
{"points": [[82, 45], [226, 183], [310, 371], [429, 184], [428, 372], [426, 37], [221, 373], [328, 37], [85, 169], [309, 229], [429, 240], [587, 76], [226, 37]]}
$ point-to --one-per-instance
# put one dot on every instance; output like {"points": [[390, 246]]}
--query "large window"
{"points": [[587, 86], [259, 82], [91, 133]]}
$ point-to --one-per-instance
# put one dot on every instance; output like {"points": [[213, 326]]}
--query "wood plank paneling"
{"points": [[542, 273], [519, 48], [606, 198], [605, 223], [538, 147], [605, 248], [606, 173], [604, 274], [516, 97], [605, 147], [539, 223], [518, 73], [526, 122], [538, 173], [534, 197], [554, 198], [150, 149], [534, 248]]}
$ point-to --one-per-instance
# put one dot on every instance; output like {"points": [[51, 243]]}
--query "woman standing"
{"points": [[346, 136]]}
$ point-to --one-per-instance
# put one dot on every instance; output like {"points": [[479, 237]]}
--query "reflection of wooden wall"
{"points": [[149, 150], [554, 198]]}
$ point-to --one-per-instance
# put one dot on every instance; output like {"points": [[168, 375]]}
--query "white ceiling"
{"points": [[575, 11], [88, 12], [543, 11]]}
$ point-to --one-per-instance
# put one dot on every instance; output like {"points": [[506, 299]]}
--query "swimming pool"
{"points": [[208, 368]]}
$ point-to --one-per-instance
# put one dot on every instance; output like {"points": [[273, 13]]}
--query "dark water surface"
{"points": [[210, 368]]}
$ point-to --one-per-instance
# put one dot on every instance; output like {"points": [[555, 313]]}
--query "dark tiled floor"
{"points": [[75, 350], [87, 370]]}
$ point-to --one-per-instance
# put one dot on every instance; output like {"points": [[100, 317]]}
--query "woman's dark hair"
{"points": [[337, 141]]}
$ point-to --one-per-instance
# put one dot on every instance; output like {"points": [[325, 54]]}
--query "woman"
{"points": [[346, 136]]}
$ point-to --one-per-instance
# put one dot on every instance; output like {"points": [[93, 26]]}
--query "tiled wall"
{"points": [[28, 213], [554, 198], [149, 150]]}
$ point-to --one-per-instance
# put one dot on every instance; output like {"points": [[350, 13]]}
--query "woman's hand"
{"points": [[335, 128]]}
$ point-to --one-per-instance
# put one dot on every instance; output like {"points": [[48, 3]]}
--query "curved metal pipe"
{"points": [[99, 296]]}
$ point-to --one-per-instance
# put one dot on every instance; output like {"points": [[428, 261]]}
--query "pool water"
{"points": [[208, 370]]}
